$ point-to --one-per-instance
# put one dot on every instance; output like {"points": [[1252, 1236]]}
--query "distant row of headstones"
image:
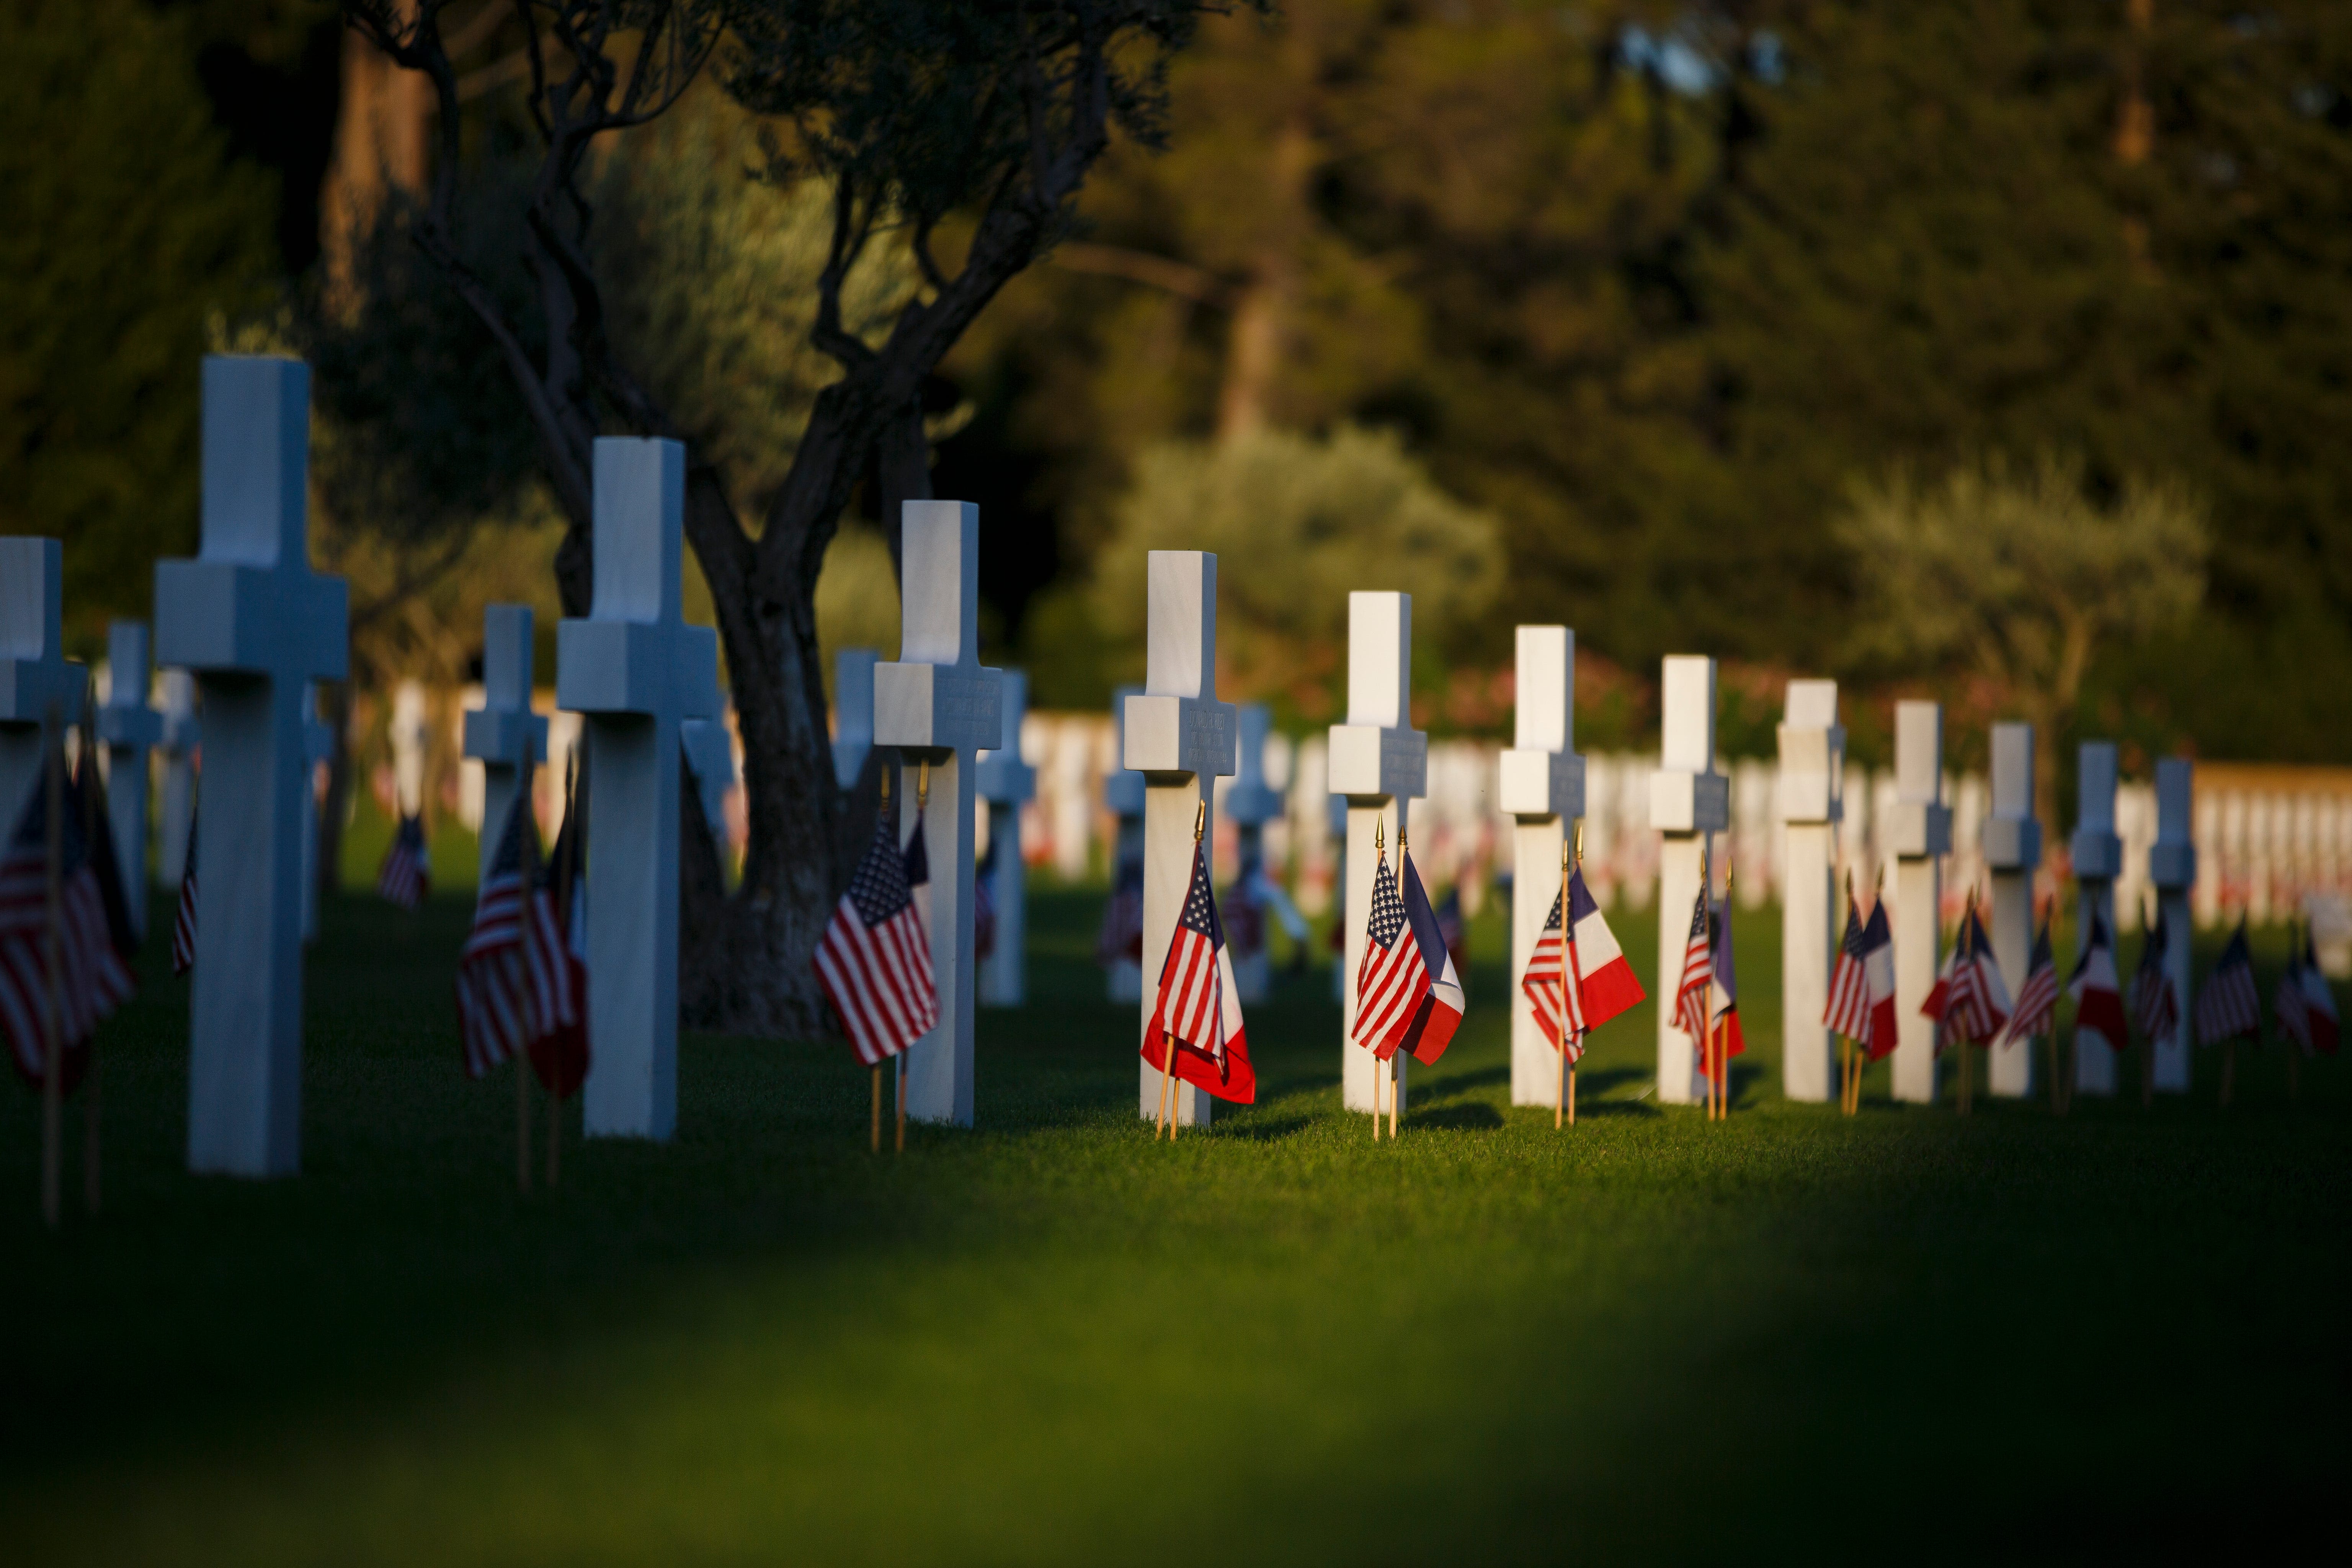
{"points": [[256, 627]]}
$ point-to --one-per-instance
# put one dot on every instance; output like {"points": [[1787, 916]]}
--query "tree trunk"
{"points": [[1263, 309], [380, 142]]}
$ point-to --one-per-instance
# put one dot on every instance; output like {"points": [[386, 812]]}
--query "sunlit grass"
{"points": [[1051, 1340]]}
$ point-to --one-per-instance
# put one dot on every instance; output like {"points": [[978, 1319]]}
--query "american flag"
{"points": [[1122, 926], [875, 961], [1551, 979], [1861, 986], [2227, 1008], [1698, 971], [514, 979], [404, 878], [2319, 997], [93, 979], [1198, 1003], [1390, 978], [2037, 999], [1969, 1001], [2156, 1008], [2289, 1003], [183, 924], [2097, 993]]}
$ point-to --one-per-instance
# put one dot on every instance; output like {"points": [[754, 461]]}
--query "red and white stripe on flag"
{"points": [[2228, 1009], [1198, 1003], [875, 961], [183, 924], [1698, 982], [1390, 979], [92, 978]]}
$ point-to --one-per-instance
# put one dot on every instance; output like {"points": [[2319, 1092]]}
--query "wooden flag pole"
{"points": [[52, 1032], [563, 912], [1560, 1082], [2229, 1067], [1723, 1030], [878, 1107], [528, 871], [93, 1172], [922, 804], [1396, 1096]]}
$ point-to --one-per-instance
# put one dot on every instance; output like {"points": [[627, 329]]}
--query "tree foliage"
{"points": [[1297, 524], [127, 224], [2020, 577]]}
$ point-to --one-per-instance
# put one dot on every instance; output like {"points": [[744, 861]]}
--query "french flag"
{"points": [[2097, 996], [1604, 980], [1723, 1000], [1439, 1013]]}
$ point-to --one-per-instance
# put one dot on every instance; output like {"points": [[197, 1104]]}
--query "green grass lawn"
{"points": [[1051, 1340]]}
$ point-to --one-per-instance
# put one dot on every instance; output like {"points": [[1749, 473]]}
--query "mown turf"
{"points": [[1051, 1340]]}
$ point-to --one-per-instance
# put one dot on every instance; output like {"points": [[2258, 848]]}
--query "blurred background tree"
{"points": [[1297, 524], [2022, 578]]}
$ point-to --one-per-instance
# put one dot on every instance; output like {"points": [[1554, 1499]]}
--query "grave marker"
{"points": [[1689, 801], [127, 727], [2011, 841], [1250, 803], [1003, 780], [1123, 795], [1540, 783], [34, 670], [181, 734], [938, 704], [853, 712], [255, 625], [1379, 761], [503, 730], [2098, 857], [2172, 866], [1178, 737], [1920, 834], [1812, 804], [637, 671]]}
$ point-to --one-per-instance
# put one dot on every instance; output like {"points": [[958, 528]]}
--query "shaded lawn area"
{"points": [[1052, 1340]]}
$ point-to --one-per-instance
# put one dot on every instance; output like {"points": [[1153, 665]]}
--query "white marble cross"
{"points": [[938, 704], [2098, 857], [636, 670], [2172, 866], [1541, 786], [410, 737], [1123, 797], [1003, 780], [1378, 761], [254, 623], [1689, 801], [128, 727], [318, 746], [1810, 806], [504, 729], [181, 733], [35, 673], [2012, 843], [853, 712], [1921, 836], [1178, 738], [1250, 803]]}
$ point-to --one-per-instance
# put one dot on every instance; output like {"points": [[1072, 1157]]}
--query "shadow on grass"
{"points": [[1476, 1116]]}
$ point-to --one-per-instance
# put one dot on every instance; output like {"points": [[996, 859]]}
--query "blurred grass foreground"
{"points": [[1050, 1341]]}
